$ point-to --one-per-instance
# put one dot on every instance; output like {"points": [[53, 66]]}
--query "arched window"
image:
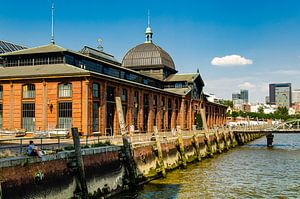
{"points": [[96, 90], [28, 91], [65, 90]]}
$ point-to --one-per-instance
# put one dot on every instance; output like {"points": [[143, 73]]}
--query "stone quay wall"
{"points": [[107, 168]]}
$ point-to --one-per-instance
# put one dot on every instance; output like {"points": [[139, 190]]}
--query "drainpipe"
{"points": [[45, 106], [87, 107], [10, 105]]}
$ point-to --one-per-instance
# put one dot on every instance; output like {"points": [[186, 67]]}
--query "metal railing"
{"points": [[18, 146]]}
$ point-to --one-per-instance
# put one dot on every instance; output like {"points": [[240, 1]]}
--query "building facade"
{"points": [[296, 96], [281, 94], [51, 87]]}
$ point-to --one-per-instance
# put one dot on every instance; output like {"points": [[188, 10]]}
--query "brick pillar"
{"points": [[52, 95], [130, 107], [181, 113], [150, 114], [116, 120], [77, 104], [39, 106], [158, 116], [16, 106], [103, 107], [140, 114], [173, 117]]}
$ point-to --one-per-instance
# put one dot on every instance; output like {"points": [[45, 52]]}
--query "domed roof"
{"points": [[147, 55]]}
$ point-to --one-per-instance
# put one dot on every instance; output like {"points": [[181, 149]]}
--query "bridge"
{"points": [[289, 127]]}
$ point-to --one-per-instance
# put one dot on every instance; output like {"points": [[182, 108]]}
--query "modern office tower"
{"points": [[296, 96], [281, 94], [240, 98], [244, 96]]}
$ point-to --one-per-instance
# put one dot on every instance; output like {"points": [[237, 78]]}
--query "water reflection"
{"points": [[250, 171]]}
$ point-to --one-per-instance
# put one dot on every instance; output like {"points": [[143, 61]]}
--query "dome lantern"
{"points": [[148, 32]]}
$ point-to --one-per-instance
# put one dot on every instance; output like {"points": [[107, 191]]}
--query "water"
{"points": [[250, 171]]}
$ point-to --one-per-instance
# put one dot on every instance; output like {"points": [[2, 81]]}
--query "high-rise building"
{"points": [[281, 94], [296, 96], [244, 96], [240, 98]]}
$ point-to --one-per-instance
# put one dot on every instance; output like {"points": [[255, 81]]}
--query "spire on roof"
{"points": [[52, 24], [198, 70], [148, 31]]}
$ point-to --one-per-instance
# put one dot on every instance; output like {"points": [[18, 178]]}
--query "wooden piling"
{"points": [[1, 196], [181, 147], [159, 152], [127, 147], [79, 162], [217, 140], [196, 144]]}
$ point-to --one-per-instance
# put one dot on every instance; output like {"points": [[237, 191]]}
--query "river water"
{"points": [[249, 171]]}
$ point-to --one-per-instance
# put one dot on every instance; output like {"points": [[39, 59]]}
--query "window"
{"points": [[110, 110], [26, 62], [178, 85], [41, 60], [154, 109], [95, 119], [1, 115], [124, 102], [169, 113], [136, 109], [124, 95], [96, 90], [65, 90], [65, 115], [146, 112], [111, 71], [1, 92], [11, 63], [56, 60], [29, 91], [163, 112], [28, 116]]}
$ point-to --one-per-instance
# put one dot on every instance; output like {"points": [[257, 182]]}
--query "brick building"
{"points": [[49, 87]]}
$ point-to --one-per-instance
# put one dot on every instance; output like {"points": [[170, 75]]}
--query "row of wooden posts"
{"points": [[127, 150]]}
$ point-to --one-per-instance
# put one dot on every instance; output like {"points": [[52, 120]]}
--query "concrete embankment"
{"points": [[109, 170]]}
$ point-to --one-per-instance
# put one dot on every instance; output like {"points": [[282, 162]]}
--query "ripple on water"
{"points": [[250, 171]]}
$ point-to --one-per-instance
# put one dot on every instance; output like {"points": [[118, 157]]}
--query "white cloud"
{"points": [[246, 85], [231, 60]]}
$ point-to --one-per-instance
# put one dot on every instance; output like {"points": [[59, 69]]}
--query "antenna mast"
{"points": [[52, 24]]}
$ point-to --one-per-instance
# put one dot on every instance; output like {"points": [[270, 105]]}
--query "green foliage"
{"points": [[234, 114], [260, 110], [280, 113], [228, 103], [100, 144], [198, 121]]}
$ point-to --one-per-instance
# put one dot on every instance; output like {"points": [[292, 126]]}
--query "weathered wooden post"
{"points": [[205, 127], [127, 148], [269, 139], [196, 144], [1, 196], [181, 147], [159, 152], [79, 163], [217, 140]]}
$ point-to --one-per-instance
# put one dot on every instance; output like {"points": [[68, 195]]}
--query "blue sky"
{"points": [[264, 33]]}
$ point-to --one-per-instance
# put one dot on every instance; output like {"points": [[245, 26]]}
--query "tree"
{"points": [[234, 115], [227, 103], [281, 113], [198, 121], [260, 110]]}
